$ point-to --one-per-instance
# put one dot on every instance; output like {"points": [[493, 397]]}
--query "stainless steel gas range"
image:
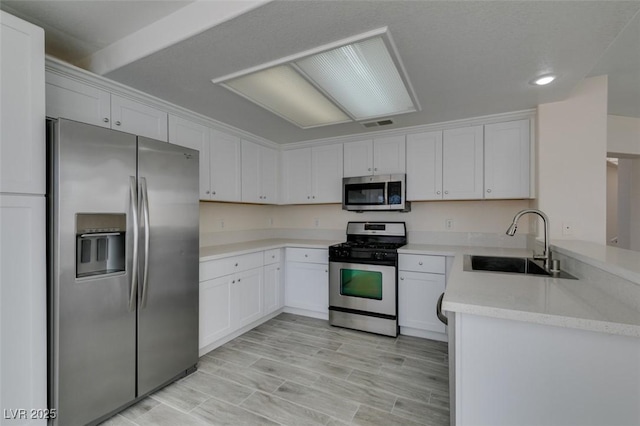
{"points": [[363, 277]]}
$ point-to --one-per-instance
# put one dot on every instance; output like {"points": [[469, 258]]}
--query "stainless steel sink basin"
{"points": [[510, 265]]}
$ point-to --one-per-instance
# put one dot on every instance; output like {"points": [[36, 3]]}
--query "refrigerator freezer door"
{"points": [[93, 350], [168, 178]]}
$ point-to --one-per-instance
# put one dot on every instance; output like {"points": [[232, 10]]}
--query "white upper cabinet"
{"points": [[358, 158], [195, 136], [75, 100], [389, 155], [375, 156], [312, 175], [462, 163], [259, 173], [507, 160], [424, 166], [225, 171], [326, 173], [139, 119], [296, 176], [71, 99], [22, 108]]}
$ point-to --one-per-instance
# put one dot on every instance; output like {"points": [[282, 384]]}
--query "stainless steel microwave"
{"points": [[374, 193]]}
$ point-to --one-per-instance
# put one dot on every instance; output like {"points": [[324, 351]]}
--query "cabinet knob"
{"points": [[273, 256], [214, 192], [488, 190], [402, 278], [308, 197], [233, 282], [446, 192], [238, 279], [277, 269], [438, 192], [369, 169], [208, 192], [375, 169], [314, 197], [306, 255], [118, 123], [236, 264], [106, 120], [420, 263], [326, 270]]}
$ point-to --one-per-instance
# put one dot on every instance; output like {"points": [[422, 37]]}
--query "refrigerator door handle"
{"points": [[145, 210], [134, 266]]}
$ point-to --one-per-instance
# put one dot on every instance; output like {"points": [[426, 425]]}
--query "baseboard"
{"points": [[431, 335], [307, 313]]}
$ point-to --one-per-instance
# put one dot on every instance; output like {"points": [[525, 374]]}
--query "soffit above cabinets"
{"points": [[464, 59]]}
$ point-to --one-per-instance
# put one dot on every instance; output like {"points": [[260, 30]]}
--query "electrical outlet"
{"points": [[221, 223], [448, 224], [316, 222], [270, 222], [567, 228]]}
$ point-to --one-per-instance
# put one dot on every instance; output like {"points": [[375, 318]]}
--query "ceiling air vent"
{"points": [[377, 123]]}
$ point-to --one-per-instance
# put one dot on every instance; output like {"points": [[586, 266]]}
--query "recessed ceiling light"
{"points": [[544, 80], [360, 78]]}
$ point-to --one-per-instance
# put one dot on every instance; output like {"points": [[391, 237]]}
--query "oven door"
{"points": [[363, 287]]}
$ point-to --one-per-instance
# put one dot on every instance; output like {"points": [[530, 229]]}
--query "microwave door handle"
{"points": [[145, 211], [134, 264]]}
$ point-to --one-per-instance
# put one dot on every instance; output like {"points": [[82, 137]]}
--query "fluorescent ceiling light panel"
{"points": [[350, 80], [285, 92], [362, 78]]}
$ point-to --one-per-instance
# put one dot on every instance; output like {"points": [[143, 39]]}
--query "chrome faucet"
{"points": [[546, 256]]}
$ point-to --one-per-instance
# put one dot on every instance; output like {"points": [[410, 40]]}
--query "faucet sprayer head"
{"points": [[512, 229]]}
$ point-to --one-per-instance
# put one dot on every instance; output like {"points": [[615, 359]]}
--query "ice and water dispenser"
{"points": [[100, 244]]}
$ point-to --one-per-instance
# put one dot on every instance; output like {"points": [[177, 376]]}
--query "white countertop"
{"points": [[226, 250], [580, 304]]}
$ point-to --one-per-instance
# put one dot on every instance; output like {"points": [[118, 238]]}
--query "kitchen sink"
{"points": [[510, 265]]}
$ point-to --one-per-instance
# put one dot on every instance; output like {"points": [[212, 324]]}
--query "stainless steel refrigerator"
{"points": [[123, 268]]}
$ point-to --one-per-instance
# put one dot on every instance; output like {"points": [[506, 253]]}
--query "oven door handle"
{"points": [[442, 317]]}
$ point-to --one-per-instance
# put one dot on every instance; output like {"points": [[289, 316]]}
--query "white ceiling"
{"points": [[464, 59]]}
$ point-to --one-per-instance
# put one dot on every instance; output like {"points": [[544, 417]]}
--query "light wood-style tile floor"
{"points": [[295, 370]]}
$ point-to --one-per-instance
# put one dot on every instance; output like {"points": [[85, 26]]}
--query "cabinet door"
{"points": [[139, 119], [307, 286], [389, 155], [462, 163], [296, 176], [67, 98], [506, 160], [269, 175], [251, 172], [326, 168], [22, 114], [418, 295], [424, 166], [358, 158], [224, 160], [195, 136], [246, 296], [23, 309], [215, 310], [272, 300]]}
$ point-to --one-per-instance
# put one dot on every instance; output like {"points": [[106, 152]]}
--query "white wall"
{"points": [[612, 203], [623, 135], [629, 203], [572, 147], [472, 220]]}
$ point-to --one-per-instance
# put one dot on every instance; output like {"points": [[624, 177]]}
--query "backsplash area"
{"points": [[472, 222]]}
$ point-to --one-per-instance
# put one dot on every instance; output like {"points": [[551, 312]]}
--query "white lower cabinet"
{"points": [[421, 282], [307, 282], [273, 281], [246, 297], [237, 292]]}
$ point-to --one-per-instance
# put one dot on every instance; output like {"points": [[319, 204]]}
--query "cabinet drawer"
{"points": [[422, 263], [308, 255], [271, 256], [229, 265]]}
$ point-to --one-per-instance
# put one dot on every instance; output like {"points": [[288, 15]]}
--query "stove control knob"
{"points": [[379, 255]]}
